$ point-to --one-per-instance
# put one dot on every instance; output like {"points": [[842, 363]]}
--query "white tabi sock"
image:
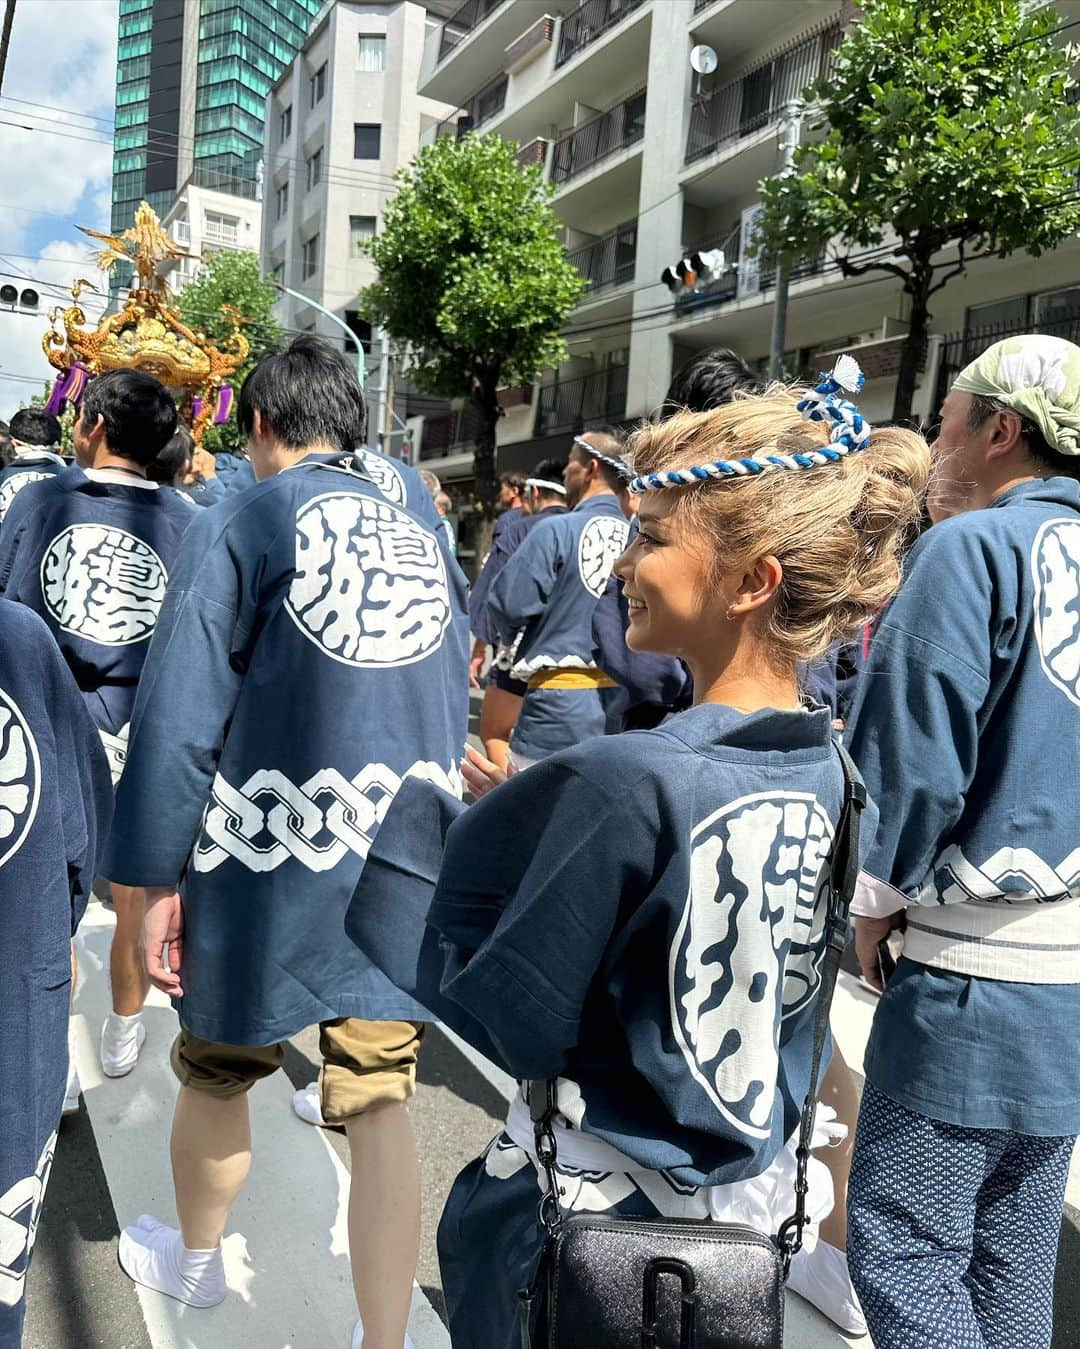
{"points": [[155, 1256]]}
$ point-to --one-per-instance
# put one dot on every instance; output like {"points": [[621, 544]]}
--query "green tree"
{"points": [[948, 137], [472, 279], [231, 278]]}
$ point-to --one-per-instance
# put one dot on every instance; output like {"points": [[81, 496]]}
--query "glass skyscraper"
{"points": [[191, 81]]}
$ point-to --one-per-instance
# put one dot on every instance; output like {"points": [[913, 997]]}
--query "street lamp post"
{"points": [[306, 299]]}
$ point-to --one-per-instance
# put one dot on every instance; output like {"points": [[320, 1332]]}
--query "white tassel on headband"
{"points": [[848, 433], [619, 465]]}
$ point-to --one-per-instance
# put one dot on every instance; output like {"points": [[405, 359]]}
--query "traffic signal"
{"points": [[10, 296]]}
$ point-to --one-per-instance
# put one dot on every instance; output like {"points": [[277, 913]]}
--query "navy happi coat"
{"points": [[311, 655], [55, 804]]}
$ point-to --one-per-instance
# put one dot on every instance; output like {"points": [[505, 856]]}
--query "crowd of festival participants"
{"points": [[234, 699]]}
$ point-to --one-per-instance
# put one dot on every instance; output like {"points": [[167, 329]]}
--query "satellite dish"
{"points": [[703, 59]]}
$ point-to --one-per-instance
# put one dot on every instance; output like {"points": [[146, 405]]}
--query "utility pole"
{"points": [[790, 128], [388, 422], [5, 37]]}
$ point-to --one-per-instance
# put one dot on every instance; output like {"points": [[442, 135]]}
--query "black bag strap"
{"points": [[843, 872]]}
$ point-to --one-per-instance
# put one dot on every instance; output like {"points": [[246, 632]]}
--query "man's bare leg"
{"points": [[498, 717], [123, 1033], [211, 1157], [384, 1221], [838, 1090], [127, 969]]}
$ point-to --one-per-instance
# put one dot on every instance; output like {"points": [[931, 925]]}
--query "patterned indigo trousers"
{"points": [[953, 1232]]}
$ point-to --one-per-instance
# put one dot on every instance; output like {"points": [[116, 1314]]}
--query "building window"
{"points": [[278, 274], [281, 201], [311, 256], [367, 140], [371, 55], [360, 329], [221, 229], [317, 85], [285, 125], [314, 170], [361, 228]]}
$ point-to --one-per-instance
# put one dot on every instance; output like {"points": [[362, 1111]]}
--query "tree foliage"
{"points": [[472, 278], [949, 137], [231, 278]]}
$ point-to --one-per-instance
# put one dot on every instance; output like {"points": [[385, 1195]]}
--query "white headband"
{"points": [[622, 468], [546, 486]]}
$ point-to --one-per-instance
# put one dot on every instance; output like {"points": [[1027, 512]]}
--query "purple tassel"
{"points": [[196, 408], [69, 388], [223, 408]]}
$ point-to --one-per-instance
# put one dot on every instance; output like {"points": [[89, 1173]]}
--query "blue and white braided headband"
{"points": [[848, 433], [619, 465]]}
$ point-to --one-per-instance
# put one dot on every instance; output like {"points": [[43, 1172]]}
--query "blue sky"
{"points": [[60, 81]]}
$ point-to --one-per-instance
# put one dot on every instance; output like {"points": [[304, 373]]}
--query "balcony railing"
{"points": [[960, 348], [601, 136], [461, 23], [450, 432], [756, 99], [486, 103], [588, 22], [590, 400], [608, 261]]}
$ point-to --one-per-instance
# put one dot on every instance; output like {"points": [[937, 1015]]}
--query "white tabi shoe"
{"points": [[155, 1256], [122, 1039], [307, 1104], [356, 1340], [821, 1277]]}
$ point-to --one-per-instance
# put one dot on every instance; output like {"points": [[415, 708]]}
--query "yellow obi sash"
{"points": [[553, 678]]}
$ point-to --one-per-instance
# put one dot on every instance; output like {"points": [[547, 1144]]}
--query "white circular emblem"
{"points": [[20, 778], [11, 487], [748, 947], [385, 476], [1055, 568], [602, 541], [103, 584], [370, 587]]}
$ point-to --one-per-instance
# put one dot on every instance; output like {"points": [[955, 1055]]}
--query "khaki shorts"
{"points": [[366, 1064]]}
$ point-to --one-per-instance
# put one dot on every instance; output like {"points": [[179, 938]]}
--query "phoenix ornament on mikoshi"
{"points": [[147, 334]]}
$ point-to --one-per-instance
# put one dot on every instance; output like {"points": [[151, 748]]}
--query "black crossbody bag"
{"points": [[634, 1283]]}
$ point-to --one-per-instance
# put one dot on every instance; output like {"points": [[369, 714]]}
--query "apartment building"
{"points": [[204, 220], [652, 161], [191, 83], [339, 122]]}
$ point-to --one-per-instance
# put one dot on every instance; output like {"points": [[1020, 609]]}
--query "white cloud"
{"points": [[62, 56]]}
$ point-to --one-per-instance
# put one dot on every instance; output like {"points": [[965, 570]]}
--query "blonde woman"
{"points": [[640, 917]]}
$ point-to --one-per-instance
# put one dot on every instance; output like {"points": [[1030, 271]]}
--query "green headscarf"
{"points": [[1038, 377]]}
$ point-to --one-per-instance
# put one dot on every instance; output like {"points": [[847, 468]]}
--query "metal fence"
{"points": [[608, 261], [486, 103], [588, 22], [601, 136], [450, 433], [756, 98], [958, 349], [573, 404], [461, 23]]}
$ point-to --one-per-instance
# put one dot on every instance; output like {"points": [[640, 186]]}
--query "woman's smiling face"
{"points": [[665, 576]]}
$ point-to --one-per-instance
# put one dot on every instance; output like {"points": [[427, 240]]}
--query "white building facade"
{"points": [[204, 220], [652, 161], [340, 120]]}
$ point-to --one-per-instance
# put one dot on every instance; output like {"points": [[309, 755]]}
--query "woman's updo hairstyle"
{"points": [[838, 530]]}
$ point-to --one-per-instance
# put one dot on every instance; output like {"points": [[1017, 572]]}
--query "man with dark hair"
{"points": [[543, 495], [709, 380], [35, 437], [541, 604], [91, 551], [173, 461], [966, 729], [325, 646]]}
